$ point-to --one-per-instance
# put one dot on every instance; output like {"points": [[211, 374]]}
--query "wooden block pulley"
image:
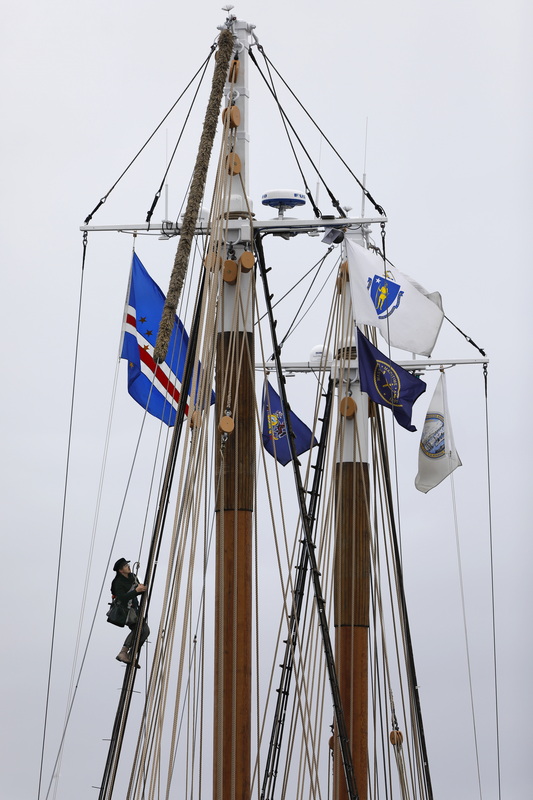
{"points": [[233, 164], [246, 261], [348, 407], [226, 424], [234, 116], [229, 271]]}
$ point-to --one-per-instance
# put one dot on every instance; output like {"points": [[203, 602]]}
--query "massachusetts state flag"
{"points": [[387, 383], [406, 315], [275, 432], [156, 387]]}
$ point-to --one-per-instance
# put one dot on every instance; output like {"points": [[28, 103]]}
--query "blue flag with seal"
{"points": [[275, 430], [387, 383], [156, 387]]}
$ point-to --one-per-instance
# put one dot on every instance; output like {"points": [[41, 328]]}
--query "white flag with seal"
{"points": [[437, 457], [406, 315]]}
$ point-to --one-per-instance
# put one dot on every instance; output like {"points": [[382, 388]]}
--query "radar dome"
{"points": [[319, 355]]}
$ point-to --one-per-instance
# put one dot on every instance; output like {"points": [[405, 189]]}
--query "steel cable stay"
{"points": [[317, 265], [103, 199], [294, 324], [365, 191], [171, 159], [465, 630], [286, 121], [492, 587]]}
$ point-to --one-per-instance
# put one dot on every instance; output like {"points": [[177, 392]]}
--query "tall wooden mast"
{"points": [[235, 464], [352, 555]]}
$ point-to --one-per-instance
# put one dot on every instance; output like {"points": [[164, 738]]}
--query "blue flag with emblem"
{"points": [[156, 387], [275, 430], [387, 383]]}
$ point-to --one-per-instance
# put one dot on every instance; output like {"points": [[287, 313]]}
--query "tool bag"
{"points": [[117, 613]]}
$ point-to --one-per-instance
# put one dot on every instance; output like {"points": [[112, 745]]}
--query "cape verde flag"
{"points": [[156, 387]]}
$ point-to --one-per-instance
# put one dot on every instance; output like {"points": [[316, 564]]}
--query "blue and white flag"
{"points": [[437, 457], [275, 432], [405, 314], [387, 383], [156, 387]]}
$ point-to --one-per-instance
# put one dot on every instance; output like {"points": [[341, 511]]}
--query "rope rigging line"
{"points": [[304, 668], [72, 694], [302, 707], [63, 510], [382, 517], [154, 708], [271, 767], [319, 599], [286, 587], [285, 117], [104, 198], [365, 191], [110, 769], [199, 630], [96, 611], [403, 606], [73, 680]]}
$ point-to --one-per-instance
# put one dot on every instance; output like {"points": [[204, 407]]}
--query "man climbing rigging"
{"points": [[125, 588]]}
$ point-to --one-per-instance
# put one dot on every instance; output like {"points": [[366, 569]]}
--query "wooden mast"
{"points": [[352, 555], [235, 466]]}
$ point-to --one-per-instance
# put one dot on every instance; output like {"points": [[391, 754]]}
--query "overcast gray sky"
{"points": [[446, 90]]}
